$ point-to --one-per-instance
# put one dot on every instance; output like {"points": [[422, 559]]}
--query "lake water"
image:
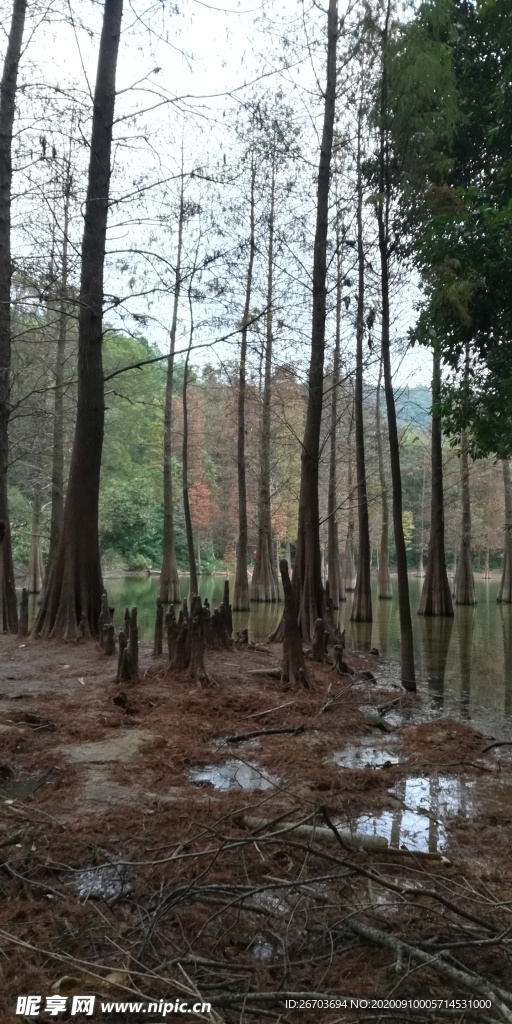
{"points": [[464, 665]]}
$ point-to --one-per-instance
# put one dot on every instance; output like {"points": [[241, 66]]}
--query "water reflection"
{"points": [[464, 665], [465, 617], [436, 635]]}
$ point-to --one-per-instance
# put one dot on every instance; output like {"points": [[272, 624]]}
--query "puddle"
{"points": [[428, 803], [404, 828], [367, 754], [232, 775], [20, 789]]}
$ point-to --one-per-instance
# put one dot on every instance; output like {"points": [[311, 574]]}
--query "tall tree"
{"points": [[75, 587], [8, 611], [169, 586], [505, 589], [335, 575], [241, 589], [57, 492], [307, 578], [362, 604], [436, 598], [384, 588], [264, 585]]}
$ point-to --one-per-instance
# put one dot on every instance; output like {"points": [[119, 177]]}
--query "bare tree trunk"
{"points": [[362, 605], [264, 585], [58, 400], [169, 586], [408, 675], [349, 570], [192, 568], [384, 588], [35, 573], [465, 583], [75, 586], [505, 590], [421, 570], [8, 609], [335, 576], [241, 589], [436, 598], [307, 579]]}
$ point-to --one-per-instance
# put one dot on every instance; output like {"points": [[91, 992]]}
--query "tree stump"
{"points": [[82, 627], [134, 643], [340, 665], [109, 641], [159, 621], [23, 617], [127, 622], [103, 618], [196, 666], [179, 660], [171, 629], [293, 668], [122, 641]]}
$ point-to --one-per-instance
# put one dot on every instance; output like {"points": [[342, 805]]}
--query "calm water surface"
{"points": [[464, 665]]}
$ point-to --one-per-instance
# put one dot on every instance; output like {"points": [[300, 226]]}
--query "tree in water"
{"points": [[75, 587], [505, 589], [362, 605], [169, 585], [465, 583], [8, 609], [241, 589], [383, 211], [436, 598], [384, 588], [307, 579]]}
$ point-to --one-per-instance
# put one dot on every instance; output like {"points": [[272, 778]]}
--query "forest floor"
{"points": [[147, 854]]}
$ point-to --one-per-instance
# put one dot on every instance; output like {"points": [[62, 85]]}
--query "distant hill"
{"points": [[413, 405]]}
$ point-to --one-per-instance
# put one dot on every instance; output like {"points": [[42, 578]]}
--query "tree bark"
{"points": [[35, 573], [241, 589], [293, 667], [335, 576], [169, 586], [264, 585], [58, 400], [408, 675], [75, 586], [465, 584], [8, 608], [384, 588], [307, 580], [362, 604], [349, 568], [436, 598], [192, 568], [505, 589]]}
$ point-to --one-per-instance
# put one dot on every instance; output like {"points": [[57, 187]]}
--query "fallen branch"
{"points": [[259, 714], [502, 743], [276, 731], [405, 950], [351, 841]]}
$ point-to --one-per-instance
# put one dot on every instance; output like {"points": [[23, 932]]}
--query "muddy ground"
{"points": [[129, 868]]}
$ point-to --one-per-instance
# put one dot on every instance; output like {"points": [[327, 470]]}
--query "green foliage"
{"points": [[463, 234], [20, 512]]}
